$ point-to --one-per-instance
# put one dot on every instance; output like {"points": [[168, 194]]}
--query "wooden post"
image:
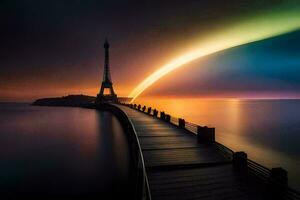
{"points": [[149, 110], [277, 183], [167, 118], [144, 108], [205, 134], [155, 113], [181, 123], [239, 160], [162, 115]]}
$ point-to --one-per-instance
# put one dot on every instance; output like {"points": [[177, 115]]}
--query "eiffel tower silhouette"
{"points": [[106, 93]]}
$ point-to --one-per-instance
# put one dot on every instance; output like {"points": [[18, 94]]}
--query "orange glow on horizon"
{"points": [[29, 94]]}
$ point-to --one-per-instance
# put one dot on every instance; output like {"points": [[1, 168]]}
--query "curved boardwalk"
{"points": [[180, 168]]}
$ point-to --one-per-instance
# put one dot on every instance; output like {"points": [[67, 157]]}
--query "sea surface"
{"points": [[62, 152], [59, 151], [267, 130]]}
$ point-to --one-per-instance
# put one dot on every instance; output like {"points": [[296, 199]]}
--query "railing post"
{"points": [[162, 115], [205, 134], [134, 106], [181, 123], [155, 113], [144, 108], [167, 118], [139, 107], [277, 183], [149, 110], [239, 160]]}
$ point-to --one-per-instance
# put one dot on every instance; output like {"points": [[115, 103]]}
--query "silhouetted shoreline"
{"points": [[70, 100]]}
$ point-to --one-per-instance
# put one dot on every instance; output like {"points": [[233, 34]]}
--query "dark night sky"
{"points": [[54, 47]]}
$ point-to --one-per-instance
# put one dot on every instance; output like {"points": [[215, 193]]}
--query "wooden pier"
{"points": [[180, 166]]}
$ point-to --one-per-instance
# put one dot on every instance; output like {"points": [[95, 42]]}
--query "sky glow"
{"points": [[260, 27]]}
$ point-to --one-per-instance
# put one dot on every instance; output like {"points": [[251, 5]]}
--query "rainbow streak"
{"points": [[254, 29]]}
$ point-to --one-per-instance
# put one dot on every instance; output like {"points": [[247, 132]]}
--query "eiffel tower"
{"points": [[106, 93]]}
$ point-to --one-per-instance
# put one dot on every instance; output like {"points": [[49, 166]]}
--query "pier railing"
{"points": [[274, 180]]}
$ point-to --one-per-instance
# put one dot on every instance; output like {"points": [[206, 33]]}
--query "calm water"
{"points": [[268, 130], [61, 152]]}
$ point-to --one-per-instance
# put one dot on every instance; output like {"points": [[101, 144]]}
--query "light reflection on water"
{"points": [[61, 152], [268, 130]]}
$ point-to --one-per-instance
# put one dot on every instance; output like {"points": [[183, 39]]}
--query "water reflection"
{"points": [[268, 130], [61, 152]]}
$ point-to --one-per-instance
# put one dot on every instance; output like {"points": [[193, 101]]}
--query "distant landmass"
{"points": [[71, 100]]}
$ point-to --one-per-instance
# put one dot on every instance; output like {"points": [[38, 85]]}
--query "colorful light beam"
{"points": [[267, 25]]}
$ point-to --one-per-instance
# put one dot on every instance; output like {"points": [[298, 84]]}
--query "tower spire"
{"points": [[106, 73], [107, 84]]}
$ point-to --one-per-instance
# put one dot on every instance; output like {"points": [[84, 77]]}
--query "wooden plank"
{"points": [[167, 142], [182, 156], [180, 168], [219, 182]]}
